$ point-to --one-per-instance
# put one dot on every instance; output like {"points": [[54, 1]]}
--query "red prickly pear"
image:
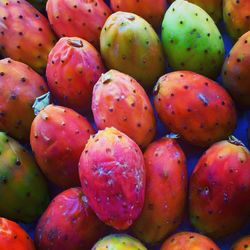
{"points": [[189, 241], [166, 190], [13, 237], [58, 137], [68, 223], [81, 18], [25, 34], [112, 176], [74, 66], [152, 11], [236, 71], [236, 14], [20, 86], [206, 113], [121, 102], [242, 244], [220, 189]]}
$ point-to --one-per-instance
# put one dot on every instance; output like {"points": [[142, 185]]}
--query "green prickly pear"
{"points": [[23, 189], [191, 39]]}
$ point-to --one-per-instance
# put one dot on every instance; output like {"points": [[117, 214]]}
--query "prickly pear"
{"points": [[119, 242], [22, 186], [121, 102], [81, 18], [220, 189], [235, 71], [242, 244], [165, 170], [112, 175], [189, 241], [68, 223], [74, 66], [20, 86], [129, 44], [206, 113], [25, 34], [191, 39]]}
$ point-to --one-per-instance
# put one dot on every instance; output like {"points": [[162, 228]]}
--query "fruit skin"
{"points": [[112, 175], [13, 237], [38, 4], [206, 113], [219, 189], [166, 191], [74, 66], [236, 15], [68, 223], [29, 32], [189, 241], [58, 137], [22, 186], [152, 11], [129, 44], [121, 102], [119, 242], [191, 40], [20, 86], [83, 18], [236, 70], [242, 244]]}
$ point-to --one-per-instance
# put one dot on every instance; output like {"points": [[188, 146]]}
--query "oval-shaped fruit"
{"points": [[20, 86], [68, 223], [81, 18], [152, 11], [119, 242], [121, 102], [25, 34], [166, 191], [220, 189], [112, 175], [129, 44], [13, 237], [235, 71], [191, 39], [74, 66], [236, 14], [189, 241], [242, 244], [204, 115], [22, 186], [58, 137]]}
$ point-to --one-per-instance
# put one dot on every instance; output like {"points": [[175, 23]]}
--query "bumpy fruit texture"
{"points": [[219, 189], [191, 39], [242, 244], [13, 237], [20, 86], [58, 137], [189, 241], [129, 44], [25, 34], [22, 186], [166, 189], [74, 66], [236, 71], [152, 11], [68, 223], [121, 102], [236, 14], [81, 18], [112, 176], [38, 4], [206, 113], [119, 242]]}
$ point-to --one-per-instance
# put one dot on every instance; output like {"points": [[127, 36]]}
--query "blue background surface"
{"points": [[193, 155]]}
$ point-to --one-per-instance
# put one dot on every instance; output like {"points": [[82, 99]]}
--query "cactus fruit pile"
{"points": [[124, 124]]}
